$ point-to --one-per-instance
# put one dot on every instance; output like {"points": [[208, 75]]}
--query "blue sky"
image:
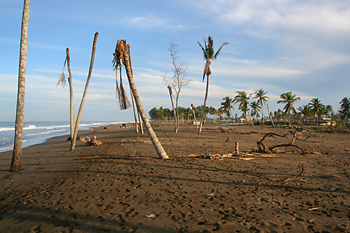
{"points": [[280, 46]]}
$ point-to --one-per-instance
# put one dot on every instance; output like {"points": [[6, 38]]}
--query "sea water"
{"points": [[39, 132]]}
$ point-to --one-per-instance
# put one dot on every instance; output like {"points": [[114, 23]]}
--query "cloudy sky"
{"points": [[277, 45]]}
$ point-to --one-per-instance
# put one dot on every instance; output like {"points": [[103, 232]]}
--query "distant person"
{"points": [[124, 125], [120, 125]]}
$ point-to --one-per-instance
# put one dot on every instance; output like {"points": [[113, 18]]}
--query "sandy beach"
{"points": [[56, 192]]}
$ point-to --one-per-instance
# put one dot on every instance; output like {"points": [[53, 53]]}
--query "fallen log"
{"points": [[91, 142]]}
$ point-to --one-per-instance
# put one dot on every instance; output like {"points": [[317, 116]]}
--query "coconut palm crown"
{"points": [[288, 99]]}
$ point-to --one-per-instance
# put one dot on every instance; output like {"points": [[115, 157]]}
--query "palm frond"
{"points": [[218, 52]]}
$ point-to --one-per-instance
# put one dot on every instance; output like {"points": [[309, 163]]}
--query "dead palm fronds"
{"points": [[62, 78], [117, 63]]}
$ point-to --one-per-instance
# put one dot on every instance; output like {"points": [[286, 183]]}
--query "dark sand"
{"points": [[56, 192]]}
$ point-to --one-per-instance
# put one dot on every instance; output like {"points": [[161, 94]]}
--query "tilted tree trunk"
{"points": [[71, 96], [16, 163], [205, 102], [74, 139], [174, 110], [159, 148], [194, 115], [135, 112]]}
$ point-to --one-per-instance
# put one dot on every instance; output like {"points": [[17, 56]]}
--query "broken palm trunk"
{"points": [[121, 94], [122, 56]]}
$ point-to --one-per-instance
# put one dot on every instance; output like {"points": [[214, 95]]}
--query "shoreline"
{"points": [[57, 192]]}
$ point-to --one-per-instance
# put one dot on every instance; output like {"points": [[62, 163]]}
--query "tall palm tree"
{"points": [[16, 163], [317, 108], [262, 99], [209, 56], [227, 106], [255, 109], [242, 99], [288, 99], [124, 56], [74, 139], [306, 111]]}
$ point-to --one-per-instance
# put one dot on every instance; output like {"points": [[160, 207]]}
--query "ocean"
{"points": [[39, 132]]}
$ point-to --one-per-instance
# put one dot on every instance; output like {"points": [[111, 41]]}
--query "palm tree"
{"points": [[306, 111], [345, 108], [255, 109], [209, 55], [262, 99], [126, 59], [226, 106], [329, 110], [288, 99], [242, 99], [16, 163], [317, 108]]}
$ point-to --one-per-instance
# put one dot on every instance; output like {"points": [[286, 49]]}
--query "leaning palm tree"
{"points": [[122, 57], [16, 163], [76, 126], [262, 99], [242, 99], [209, 56], [344, 110], [288, 99], [317, 108]]}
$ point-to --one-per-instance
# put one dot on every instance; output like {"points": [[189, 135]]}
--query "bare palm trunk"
{"points": [[135, 112], [16, 163], [289, 120], [158, 146], [205, 102], [194, 115], [174, 110], [71, 96], [84, 95], [262, 113]]}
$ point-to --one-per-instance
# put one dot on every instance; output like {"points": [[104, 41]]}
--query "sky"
{"points": [[277, 45]]}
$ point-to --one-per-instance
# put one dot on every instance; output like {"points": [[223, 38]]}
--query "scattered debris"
{"points": [[228, 140], [92, 131], [146, 142], [150, 216], [91, 142], [315, 208], [105, 128], [113, 157]]}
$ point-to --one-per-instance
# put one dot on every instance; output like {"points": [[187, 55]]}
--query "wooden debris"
{"points": [[91, 142], [228, 140], [113, 157], [146, 142]]}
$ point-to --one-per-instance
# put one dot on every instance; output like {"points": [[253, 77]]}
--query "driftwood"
{"points": [[146, 142], [113, 157], [91, 142]]}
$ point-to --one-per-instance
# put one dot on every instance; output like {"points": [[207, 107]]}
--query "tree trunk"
{"points": [[194, 115], [268, 111], [174, 110], [205, 102], [262, 114], [289, 120], [135, 112], [73, 141], [159, 148], [71, 96], [16, 163]]}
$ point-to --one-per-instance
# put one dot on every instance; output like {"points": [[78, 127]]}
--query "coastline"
{"points": [[57, 192]]}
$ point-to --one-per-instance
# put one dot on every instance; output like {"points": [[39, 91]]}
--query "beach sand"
{"points": [[56, 192]]}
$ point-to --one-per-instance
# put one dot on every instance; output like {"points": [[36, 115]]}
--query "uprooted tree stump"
{"points": [[297, 135]]}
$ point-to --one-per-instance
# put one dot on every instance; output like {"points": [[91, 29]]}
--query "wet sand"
{"points": [[56, 192]]}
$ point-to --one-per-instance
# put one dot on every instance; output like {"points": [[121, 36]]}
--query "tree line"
{"points": [[253, 104]]}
